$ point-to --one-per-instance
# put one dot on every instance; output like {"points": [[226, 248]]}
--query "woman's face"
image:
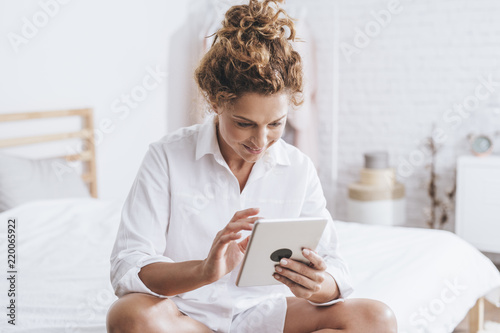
{"points": [[252, 125]]}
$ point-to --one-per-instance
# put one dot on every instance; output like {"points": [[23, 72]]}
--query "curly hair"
{"points": [[252, 53]]}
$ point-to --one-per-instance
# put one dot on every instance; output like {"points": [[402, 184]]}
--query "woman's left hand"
{"points": [[305, 281]]}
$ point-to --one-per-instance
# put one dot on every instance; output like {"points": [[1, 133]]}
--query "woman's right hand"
{"points": [[226, 253]]}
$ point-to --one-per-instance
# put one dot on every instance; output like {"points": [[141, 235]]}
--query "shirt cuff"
{"points": [[341, 277], [132, 283]]}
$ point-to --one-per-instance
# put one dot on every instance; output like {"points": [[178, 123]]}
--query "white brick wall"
{"points": [[429, 57]]}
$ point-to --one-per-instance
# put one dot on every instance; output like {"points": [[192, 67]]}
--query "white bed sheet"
{"points": [[430, 278], [63, 265], [63, 269]]}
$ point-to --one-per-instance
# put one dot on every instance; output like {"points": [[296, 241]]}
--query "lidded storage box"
{"points": [[377, 198]]}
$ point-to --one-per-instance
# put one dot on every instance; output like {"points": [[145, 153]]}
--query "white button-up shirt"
{"points": [[184, 193]]}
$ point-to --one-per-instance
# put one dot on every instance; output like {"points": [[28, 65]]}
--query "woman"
{"points": [[176, 257]]}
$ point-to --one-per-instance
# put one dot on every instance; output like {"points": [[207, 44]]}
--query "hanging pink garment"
{"points": [[305, 119]]}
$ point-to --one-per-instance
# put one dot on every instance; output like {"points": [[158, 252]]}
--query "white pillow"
{"points": [[23, 180]]}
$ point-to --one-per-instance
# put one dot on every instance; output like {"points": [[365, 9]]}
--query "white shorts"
{"points": [[265, 317]]}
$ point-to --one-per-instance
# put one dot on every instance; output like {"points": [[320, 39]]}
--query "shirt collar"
{"points": [[207, 144], [207, 139]]}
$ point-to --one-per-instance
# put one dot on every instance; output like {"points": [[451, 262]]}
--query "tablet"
{"points": [[273, 239]]}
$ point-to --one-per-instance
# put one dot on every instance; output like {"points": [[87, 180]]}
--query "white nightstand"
{"points": [[478, 202]]}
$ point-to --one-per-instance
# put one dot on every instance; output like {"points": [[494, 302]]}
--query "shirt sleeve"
{"points": [[141, 237], [328, 248]]}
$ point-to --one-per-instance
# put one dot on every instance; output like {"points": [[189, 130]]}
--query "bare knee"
{"points": [[379, 317], [141, 313]]}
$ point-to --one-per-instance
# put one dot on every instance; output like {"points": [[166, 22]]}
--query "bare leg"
{"points": [[354, 315], [142, 313]]}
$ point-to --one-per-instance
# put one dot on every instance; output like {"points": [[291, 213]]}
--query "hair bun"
{"points": [[252, 52], [264, 19]]}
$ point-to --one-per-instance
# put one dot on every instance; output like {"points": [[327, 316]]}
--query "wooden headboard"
{"points": [[86, 134]]}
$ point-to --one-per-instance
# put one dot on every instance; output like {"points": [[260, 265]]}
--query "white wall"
{"points": [[429, 56], [92, 54]]}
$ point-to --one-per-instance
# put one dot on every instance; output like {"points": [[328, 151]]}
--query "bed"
{"points": [[431, 279]]}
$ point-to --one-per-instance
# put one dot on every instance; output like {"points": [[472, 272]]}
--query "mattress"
{"points": [[429, 278], [63, 249]]}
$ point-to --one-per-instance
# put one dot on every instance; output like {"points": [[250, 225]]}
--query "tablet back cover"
{"points": [[273, 239]]}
